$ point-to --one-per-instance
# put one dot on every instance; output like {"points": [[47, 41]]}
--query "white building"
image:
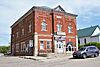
{"points": [[90, 34]]}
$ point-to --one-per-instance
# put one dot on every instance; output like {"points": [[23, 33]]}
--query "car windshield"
{"points": [[82, 49]]}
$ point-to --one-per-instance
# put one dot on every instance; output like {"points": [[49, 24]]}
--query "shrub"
{"points": [[4, 49], [92, 44]]}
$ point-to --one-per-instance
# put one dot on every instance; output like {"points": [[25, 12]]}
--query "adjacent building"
{"points": [[43, 30], [90, 34]]}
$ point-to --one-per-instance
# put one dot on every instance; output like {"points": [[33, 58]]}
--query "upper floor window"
{"points": [[69, 29], [44, 25], [59, 26], [17, 34], [13, 35], [22, 31], [30, 27]]}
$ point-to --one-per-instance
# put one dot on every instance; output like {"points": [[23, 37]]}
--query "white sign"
{"points": [[30, 43], [60, 38], [61, 33]]}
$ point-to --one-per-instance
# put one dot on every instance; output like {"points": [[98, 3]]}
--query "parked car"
{"points": [[88, 51]]}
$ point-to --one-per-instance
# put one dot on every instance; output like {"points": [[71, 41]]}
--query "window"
{"points": [[17, 47], [48, 45], [17, 34], [30, 27], [23, 31], [59, 44], [13, 35], [78, 41], [43, 25], [23, 47], [69, 29], [41, 45], [85, 40], [59, 26]]}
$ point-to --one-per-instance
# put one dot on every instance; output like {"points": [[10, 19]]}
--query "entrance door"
{"points": [[69, 48], [60, 47]]}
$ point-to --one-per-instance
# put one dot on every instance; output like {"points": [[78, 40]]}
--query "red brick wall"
{"points": [[39, 16], [27, 35], [70, 20]]}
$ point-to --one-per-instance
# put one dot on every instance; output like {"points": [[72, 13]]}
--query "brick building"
{"points": [[43, 30]]}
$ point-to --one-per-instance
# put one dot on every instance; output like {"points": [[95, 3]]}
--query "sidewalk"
{"points": [[45, 59]]}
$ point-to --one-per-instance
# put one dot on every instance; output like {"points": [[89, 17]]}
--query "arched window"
{"points": [[69, 29], [59, 26], [43, 25]]}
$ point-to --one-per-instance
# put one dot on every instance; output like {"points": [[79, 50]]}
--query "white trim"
{"points": [[44, 35], [70, 37], [45, 39], [35, 45], [97, 31], [43, 30], [58, 16], [76, 42]]}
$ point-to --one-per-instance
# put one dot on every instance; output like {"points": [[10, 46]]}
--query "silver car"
{"points": [[88, 51]]}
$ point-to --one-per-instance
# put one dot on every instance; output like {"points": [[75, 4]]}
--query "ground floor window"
{"points": [[48, 45], [23, 47], [60, 44], [17, 47], [41, 45]]}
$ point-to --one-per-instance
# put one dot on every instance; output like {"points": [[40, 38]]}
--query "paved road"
{"points": [[64, 62]]}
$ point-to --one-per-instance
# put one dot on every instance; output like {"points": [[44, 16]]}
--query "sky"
{"points": [[88, 12]]}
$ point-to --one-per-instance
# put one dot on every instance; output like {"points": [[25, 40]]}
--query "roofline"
{"points": [[88, 27], [71, 14], [33, 9], [21, 18]]}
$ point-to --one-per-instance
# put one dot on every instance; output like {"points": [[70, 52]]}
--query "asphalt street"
{"points": [[63, 62]]}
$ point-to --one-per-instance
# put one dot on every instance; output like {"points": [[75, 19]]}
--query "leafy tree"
{"points": [[4, 49]]}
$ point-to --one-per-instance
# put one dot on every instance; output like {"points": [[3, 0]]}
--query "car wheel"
{"points": [[96, 54], [84, 56]]}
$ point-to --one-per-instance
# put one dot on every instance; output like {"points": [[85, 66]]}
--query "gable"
{"points": [[87, 32], [96, 32], [59, 8]]}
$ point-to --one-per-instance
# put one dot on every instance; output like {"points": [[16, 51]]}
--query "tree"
{"points": [[4, 49]]}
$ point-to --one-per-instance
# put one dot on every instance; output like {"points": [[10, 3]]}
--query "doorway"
{"points": [[60, 47], [69, 47]]}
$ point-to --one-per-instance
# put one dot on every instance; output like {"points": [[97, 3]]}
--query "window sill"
{"points": [[44, 30]]}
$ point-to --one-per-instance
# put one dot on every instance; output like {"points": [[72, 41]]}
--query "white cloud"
{"points": [[10, 10]]}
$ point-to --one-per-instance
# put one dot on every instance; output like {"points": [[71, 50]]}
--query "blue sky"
{"points": [[88, 12]]}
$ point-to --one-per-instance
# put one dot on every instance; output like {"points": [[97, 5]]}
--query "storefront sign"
{"points": [[60, 38], [30, 43]]}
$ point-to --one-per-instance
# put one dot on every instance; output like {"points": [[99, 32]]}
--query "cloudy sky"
{"points": [[88, 12]]}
